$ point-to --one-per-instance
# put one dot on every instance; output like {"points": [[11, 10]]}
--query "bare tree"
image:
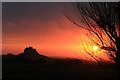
{"points": [[102, 20]]}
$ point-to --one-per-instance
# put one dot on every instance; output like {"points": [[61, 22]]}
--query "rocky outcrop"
{"points": [[31, 54]]}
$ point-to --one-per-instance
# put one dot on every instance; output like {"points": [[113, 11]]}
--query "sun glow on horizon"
{"points": [[95, 48]]}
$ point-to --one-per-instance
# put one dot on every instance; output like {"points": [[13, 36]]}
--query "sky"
{"points": [[42, 26]]}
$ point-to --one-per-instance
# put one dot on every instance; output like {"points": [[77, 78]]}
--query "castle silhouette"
{"points": [[31, 54]]}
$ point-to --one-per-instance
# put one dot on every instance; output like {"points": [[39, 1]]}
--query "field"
{"points": [[56, 69]]}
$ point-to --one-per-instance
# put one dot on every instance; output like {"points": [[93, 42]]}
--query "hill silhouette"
{"points": [[32, 65], [31, 54], [28, 54]]}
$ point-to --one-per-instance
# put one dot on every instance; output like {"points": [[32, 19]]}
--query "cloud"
{"points": [[23, 17], [39, 11]]}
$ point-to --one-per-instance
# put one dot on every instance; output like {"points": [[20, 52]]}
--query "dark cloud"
{"points": [[41, 11], [26, 17]]}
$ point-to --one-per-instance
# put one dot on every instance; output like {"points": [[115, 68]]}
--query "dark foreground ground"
{"points": [[56, 69]]}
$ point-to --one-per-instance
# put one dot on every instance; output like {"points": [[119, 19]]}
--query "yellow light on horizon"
{"points": [[95, 48]]}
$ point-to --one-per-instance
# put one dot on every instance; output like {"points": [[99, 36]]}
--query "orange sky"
{"points": [[53, 42], [44, 27]]}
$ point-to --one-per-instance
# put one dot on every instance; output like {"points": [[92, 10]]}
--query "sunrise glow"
{"points": [[95, 48], [44, 33]]}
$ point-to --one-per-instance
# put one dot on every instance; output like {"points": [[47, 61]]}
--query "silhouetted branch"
{"points": [[103, 20]]}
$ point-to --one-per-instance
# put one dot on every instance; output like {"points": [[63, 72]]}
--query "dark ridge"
{"points": [[32, 65]]}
